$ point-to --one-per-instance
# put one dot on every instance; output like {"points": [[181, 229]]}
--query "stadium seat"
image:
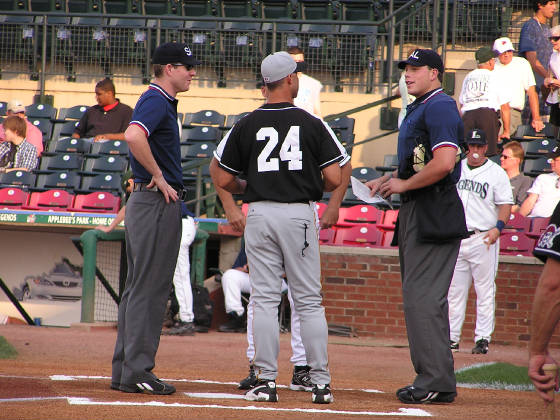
{"points": [[390, 163], [57, 180], [22, 179], [516, 243], [69, 145], [535, 167], [19, 40], [62, 161], [204, 117], [105, 163], [389, 220], [162, 7], [72, 113], [197, 150], [527, 132], [538, 147], [42, 111], [13, 198], [110, 147], [361, 235], [361, 214], [99, 202], [64, 129], [365, 173], [201, 133], [538, 226], [45, 125], [388, 238], [3, 108], [191, 174], [51, 200], [327, 236], [232, 119], [104, 181], [517, 222]]}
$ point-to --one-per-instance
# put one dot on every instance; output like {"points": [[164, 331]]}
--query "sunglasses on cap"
{"points": [[554, 38]]}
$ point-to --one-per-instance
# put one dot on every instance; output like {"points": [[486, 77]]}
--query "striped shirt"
{"points": [[26, 155]]}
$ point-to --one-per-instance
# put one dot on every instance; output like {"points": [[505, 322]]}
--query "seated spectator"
{"points": [[511, 160], [34, 135], [108, 119], [16, 153], [545, 192]]}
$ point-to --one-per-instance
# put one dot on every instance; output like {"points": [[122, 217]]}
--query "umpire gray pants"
{"points": [[426, 271], [282, 238], [153, 235]]}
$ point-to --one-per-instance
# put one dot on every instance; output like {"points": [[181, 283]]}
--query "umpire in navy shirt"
{"points": [[152, 221], [428, 145]]}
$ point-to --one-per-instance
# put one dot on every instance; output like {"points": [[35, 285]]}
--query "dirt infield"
{"points": [[65, 374]]}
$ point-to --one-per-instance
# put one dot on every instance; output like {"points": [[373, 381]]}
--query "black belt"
{"points": [[476, 231], [140, 186]]}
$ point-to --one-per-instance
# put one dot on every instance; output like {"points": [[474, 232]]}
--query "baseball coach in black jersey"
{"points": [[288, 157]]}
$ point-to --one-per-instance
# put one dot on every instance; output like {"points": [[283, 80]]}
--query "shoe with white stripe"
{"points": [[322, 394], [150, 386], [412, 395], [264, 390]]}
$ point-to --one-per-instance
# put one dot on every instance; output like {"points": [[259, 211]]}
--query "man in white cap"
{"points": [[516, 73], [34, 135], [288, 157]]}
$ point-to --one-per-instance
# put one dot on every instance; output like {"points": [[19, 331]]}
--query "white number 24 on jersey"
{"points": [[289, 151]]}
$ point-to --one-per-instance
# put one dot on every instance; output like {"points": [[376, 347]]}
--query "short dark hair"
{"points": [[439, 74], [106, 84], [537, 3], [294, 50], [274, 85], [15, 124], [158, 69]]}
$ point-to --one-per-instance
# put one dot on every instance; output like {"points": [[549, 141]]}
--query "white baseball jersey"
{"points": [[482, 190]]}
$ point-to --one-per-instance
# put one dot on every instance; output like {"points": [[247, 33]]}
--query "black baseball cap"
{"points": [[554, 153], [476, 136], [174, 53], [420, 58]]}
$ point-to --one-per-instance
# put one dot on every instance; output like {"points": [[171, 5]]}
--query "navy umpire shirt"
{"points": [[156, 114], [435, 118]]}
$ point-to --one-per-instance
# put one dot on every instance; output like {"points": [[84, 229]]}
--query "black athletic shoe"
{"points": [[412, 395], [250, 381], [180, 328], [235, 324], [301, 381], [116, 386], [322, 394], [150, 386], [454, 345], [264, 390], [481, 347]]}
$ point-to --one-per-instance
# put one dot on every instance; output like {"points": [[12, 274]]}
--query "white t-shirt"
{"points": [[518, 77], [406, 99], [308, 94], [482, 190], [547, 187], [554, 65], [483, 89]]}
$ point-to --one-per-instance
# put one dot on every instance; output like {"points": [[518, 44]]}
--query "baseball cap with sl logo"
{"points": [[174, 53], [421, 58]]}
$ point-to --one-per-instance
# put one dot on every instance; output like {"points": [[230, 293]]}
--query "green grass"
{"points": [[7, 351], [494, 376]]}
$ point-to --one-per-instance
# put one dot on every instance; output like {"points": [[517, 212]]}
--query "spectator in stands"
{"points": [[308, 96], [517, 75], [545, 192], [552, 81], [127, 186], [16, 153], [482, 96], [108, 119], [33, 134], [510, 161], [535, 47]]}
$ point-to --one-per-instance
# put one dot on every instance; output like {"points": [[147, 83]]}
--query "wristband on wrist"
{"points": [[500, 225]]}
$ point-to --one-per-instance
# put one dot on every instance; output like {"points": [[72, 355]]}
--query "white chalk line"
{"points": [[27, 399], [410, 412]]}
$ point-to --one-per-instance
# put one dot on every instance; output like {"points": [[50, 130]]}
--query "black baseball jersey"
{"points": [[281, 149], [548, 244]]}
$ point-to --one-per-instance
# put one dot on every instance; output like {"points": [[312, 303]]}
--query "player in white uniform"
{"points": [[485, 191]]}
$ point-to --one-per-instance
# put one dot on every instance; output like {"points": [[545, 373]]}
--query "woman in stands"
{"points": [[552, 82], [16, 153]]}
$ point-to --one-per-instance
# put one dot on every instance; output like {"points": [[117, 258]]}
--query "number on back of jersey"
{"points": [[289, 151]]}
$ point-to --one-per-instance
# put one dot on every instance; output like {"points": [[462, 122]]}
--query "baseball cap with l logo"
{"points": [[476, 136]]}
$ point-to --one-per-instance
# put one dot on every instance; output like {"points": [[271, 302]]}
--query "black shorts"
{"points": [[555, 114]]}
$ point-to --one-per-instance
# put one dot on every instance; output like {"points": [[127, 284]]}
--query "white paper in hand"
{"points": [[362, 192]]}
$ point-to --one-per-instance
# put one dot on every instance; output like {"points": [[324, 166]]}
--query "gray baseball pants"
{"points": [[153, 235], [426, 271], [282, 238]]}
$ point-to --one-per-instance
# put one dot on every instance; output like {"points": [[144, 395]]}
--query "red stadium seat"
{"points": [[388, 238], [362, 213], [326, 236], [516, 243], [50, 200], [389, 220], [13, 198], [538, 226], [97, 202], [518, 222], [364, 235]]}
